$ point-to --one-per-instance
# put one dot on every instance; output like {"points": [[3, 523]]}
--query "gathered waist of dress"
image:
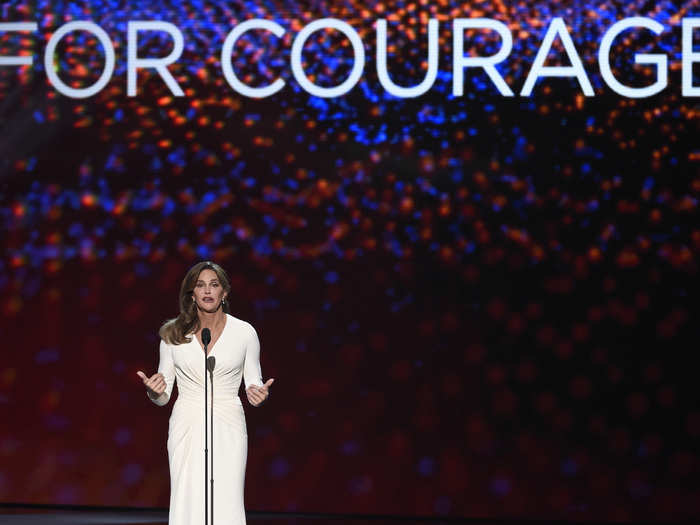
{"points": [[199, 399]]}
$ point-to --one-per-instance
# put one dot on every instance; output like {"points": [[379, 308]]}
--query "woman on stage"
{"points": [[235, 346]]}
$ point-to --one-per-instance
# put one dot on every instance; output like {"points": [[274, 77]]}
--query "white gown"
{"points": [[237, 353]]}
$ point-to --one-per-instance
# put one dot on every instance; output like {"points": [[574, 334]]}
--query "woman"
{"points": [[235, 345]]}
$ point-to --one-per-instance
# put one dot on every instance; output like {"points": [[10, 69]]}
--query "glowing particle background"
{"points": [[472, 306]]}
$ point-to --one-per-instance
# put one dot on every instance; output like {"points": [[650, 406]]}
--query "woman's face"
{"points": [[208, 292]]}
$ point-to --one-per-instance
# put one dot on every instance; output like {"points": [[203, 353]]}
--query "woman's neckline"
{"points": [[213, 346]]}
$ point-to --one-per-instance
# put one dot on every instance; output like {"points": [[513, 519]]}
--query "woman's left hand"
{"points": [[258, 394]]}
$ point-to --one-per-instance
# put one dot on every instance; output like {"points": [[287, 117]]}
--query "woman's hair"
{"points": [[174, 331]]}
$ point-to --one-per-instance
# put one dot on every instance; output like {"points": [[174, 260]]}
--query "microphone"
{"points": [[206, 336], [211, 363]]}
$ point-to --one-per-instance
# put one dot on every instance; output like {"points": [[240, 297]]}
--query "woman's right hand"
{"points": [[155, 385]]}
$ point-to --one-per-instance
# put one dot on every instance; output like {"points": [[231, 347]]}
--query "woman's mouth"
{"points": [[208, 300]]}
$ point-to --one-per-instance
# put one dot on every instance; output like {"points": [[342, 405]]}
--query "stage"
{"points": [[18, 514], [454, 243]]}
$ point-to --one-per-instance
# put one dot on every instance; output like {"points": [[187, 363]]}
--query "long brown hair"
{"points": [[174, 331]]}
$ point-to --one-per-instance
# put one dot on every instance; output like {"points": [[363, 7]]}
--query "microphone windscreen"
{"points": [[206, 336], [211, 363]]}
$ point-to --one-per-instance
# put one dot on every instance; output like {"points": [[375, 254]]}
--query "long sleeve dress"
{"points": [[237, 353]]}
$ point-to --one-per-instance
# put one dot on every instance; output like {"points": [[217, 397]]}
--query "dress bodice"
{"points": [[237, 355]]}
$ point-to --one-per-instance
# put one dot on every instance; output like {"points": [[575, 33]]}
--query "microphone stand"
{"points": [[211, 362], [206, 437]]}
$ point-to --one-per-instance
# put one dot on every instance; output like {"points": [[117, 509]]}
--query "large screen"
{"points": [[466, 234]]}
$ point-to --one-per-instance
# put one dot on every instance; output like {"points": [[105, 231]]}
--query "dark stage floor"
{"points": [[38, 516], [52, 515], [15, 514]]}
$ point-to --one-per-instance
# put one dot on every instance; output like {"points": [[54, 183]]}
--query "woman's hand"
{"points": [[155, 385], [258, 394]]}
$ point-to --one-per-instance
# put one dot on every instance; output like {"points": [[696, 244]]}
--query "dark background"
{"points": [[474, 306]]}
